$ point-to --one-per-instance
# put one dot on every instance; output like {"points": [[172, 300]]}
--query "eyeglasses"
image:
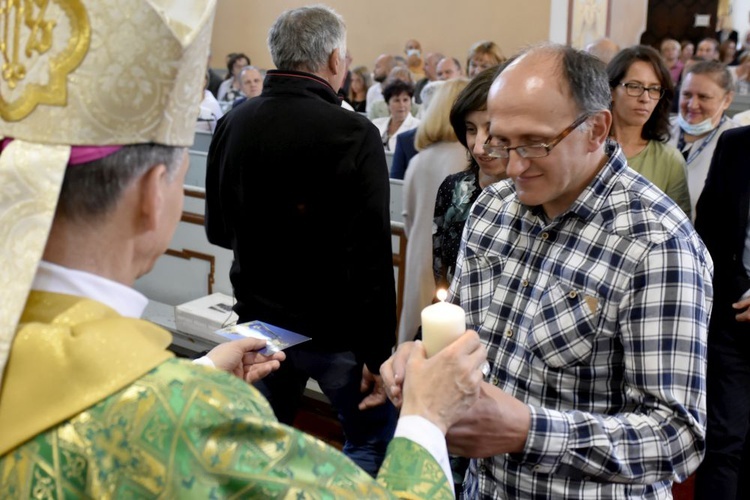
{"points": [[533, 150], [637, 90]]}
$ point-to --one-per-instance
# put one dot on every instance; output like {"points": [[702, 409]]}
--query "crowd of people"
{"points": [[573, 203], [666, 115]]}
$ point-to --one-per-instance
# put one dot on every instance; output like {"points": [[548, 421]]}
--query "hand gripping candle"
{"points": [[442, 323]]}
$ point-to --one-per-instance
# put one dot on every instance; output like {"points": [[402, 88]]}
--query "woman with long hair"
{"points": [[361, 81], [642, 92]]}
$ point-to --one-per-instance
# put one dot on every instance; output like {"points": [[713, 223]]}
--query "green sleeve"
{"points": [[184, 431], [409, 471]]}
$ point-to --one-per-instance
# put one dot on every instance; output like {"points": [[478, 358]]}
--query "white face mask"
{"points": [[701, 128], [413, 52]]}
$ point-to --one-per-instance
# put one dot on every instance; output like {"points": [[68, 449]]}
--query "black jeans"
{"points": [[339, 375], [726, 468]]}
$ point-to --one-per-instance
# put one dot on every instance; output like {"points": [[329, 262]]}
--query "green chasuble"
{"points": [[176, 431]]}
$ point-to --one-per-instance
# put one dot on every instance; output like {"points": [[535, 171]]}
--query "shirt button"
{"points": [[525, 282], [482, 469], [494, 380], [572, 294], [545, 236], [537, 467], [509, 333]]}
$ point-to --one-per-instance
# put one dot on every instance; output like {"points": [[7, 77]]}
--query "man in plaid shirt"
{"points": [[592, 292]]}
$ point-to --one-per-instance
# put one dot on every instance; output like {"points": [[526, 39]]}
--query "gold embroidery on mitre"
{"points": [[41, 42]]}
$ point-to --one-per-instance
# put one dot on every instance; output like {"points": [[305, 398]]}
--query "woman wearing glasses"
{"points": [[642, 93], [706, 93]]}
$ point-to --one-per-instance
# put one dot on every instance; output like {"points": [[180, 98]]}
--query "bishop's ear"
{"points": [[152, 196]]}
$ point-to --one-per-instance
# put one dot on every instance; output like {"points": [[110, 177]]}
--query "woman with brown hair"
{"points": [[483, 55], [642, 93]]}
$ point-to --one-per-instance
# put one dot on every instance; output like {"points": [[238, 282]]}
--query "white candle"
{"points": [[442, 323]]}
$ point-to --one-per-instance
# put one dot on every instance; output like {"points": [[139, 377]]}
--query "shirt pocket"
{"points": [[479, 278], [564, 327]]}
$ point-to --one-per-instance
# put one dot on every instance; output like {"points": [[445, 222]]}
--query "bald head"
{"points": [[449, 68], [431, 61], [570, 72], [412, 44], [553, 100], [603, 49], [383, 66]]}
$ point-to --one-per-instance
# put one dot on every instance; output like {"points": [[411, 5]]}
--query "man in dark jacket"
{"points": [[298, 188], [722, 221]]}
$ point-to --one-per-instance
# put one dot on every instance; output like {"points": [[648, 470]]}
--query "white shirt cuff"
{"points": [[204, 361], [428, 436]]}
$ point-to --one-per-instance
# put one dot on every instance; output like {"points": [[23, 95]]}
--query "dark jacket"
{"points": [[405, 151], [298, 188], [722, 218]]}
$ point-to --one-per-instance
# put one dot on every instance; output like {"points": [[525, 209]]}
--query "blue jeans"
{"points": [[338, 374]]}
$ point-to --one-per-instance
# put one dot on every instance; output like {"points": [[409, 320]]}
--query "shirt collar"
{"points": [[58, 279], [591, 199]]}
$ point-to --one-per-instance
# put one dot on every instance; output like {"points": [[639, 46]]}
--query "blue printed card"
{"points": [[277, 339]]}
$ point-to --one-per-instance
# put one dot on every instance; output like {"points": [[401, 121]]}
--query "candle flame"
{"points": [[442, 295]]}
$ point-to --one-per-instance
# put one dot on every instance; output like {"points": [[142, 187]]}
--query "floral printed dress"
{"points": [[456, 195]]}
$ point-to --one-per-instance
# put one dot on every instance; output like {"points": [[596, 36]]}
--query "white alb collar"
{"points": [[58, 279]]}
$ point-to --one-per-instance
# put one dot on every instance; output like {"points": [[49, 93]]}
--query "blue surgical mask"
{"points": [[413, 52], [697, 129]]}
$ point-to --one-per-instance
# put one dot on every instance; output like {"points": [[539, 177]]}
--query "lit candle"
{"points": [[442, 323]]}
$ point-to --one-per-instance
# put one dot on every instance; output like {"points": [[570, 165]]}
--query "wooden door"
{"points": [[676, 19]]}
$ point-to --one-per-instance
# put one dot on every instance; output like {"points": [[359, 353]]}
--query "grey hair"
{"points": [[428, 91], [91, 190], [715, 70], [247, 68], [585, 75], [303, 39]]}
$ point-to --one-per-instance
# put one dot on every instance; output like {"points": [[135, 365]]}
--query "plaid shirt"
{"points": [[597, 321]]}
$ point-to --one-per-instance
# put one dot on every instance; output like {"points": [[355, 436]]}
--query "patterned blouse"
{"points": [[456, 195]]}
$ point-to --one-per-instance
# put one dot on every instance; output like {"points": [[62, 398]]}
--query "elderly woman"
{"points": [[379, 109], [706, 93], [439, 155], [397, 95], [231, 88], [483, 55], [642, 92]]}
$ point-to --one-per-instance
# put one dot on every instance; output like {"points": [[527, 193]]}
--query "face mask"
{"points": [[701, 128], [413, 52]]}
